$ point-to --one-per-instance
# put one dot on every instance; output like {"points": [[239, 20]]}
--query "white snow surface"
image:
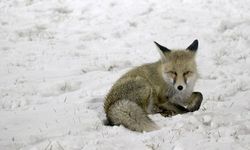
{"points": [[59, 58]]}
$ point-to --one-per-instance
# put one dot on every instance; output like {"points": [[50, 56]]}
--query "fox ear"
{"points": [[162, 50], [194, 46]]}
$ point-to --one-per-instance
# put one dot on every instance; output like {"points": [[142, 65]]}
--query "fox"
{"points": [[164, 87]]}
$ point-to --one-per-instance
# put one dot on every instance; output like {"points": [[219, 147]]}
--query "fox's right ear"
{"points": [[162, 50]]}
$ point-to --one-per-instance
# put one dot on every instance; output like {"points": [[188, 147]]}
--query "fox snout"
{"points": [[180, 82], [180, 86]]}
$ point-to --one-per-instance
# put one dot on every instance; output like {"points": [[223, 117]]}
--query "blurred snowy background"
{"points": [[58, 59]]}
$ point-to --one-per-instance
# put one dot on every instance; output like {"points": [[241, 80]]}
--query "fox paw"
{"points": [[196, 102]]}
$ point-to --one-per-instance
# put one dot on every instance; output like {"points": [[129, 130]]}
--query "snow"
{"points": [[59, 58]]}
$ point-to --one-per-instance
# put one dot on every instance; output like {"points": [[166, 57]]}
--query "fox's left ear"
{"points": [[194, 46]]}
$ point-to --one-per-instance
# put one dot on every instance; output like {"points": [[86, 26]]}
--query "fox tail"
{"points": [[130, 115]]}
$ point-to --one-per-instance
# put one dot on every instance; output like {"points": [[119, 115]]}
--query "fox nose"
{"points": [[180, 87]]}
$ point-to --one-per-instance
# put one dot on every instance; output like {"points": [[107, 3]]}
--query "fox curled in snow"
{"points": [[164, 87]]}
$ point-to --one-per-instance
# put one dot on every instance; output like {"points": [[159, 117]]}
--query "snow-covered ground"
{"points": [[58, 59]]}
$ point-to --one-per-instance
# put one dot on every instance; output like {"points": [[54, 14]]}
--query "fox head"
{"points": [[179, 66]]}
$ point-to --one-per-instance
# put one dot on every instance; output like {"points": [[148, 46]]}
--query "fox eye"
{"points": [[172, 73], [187, 73]]}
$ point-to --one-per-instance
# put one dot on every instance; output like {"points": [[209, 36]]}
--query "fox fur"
{"points": [[164, 87]]}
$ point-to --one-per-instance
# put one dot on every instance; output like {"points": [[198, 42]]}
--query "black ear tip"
{"points": [[156, 43], [196, 41], [193, 46], [162, 48]]}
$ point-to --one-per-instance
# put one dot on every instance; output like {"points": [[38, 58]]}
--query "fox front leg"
{"points": [[194, 102], [170, 109]]}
